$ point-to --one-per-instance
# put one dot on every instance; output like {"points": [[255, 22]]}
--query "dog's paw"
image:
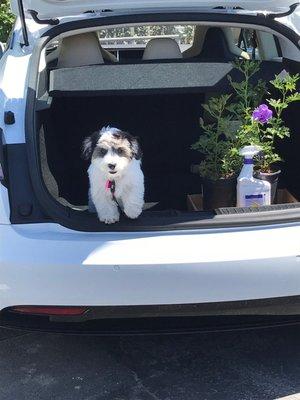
{"points": [[132, 211], [109, 218]]}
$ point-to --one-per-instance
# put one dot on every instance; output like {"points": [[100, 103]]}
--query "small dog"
{"points": [[115, 174]]}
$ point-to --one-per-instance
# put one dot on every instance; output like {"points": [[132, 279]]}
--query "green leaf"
{"points": [[293, 97], [6, 20]]}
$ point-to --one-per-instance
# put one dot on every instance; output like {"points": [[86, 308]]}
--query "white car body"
{"points": [[51, 265], [48, 264]]}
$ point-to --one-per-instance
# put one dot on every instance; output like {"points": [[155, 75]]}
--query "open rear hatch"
{"points": [[60, 8], [73, 113], [48, 12]]}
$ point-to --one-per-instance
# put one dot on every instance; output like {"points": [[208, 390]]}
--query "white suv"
{"points": [[71, 67]]}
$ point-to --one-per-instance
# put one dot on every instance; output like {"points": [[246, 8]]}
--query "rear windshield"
{"points": [[139, 36]]}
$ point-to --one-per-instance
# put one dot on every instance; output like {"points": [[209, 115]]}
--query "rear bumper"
{"points": [[165, 319], [170, 274]]}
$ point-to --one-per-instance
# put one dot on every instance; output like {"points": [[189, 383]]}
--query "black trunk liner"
{"points": [[166, 125]]}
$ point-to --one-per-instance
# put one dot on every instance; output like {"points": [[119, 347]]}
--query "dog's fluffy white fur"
{"points": [[115, 157]]}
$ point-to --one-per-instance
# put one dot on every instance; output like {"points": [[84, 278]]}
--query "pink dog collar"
{"points": [[111, 185], [108, 185]]}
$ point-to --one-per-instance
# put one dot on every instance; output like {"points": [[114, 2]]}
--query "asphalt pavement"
{"points": [[256, 365]]}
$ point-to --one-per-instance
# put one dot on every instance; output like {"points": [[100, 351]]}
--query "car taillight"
{"points": [[50, 310]]}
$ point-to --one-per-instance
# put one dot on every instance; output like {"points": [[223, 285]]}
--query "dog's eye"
{"points": [[120, 151], [102, 151]]}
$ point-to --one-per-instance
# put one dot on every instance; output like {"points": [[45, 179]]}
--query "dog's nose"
{"points": [[112, 166]]}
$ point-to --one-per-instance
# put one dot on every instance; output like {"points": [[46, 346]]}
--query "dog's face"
{"points": [[111, 150]]}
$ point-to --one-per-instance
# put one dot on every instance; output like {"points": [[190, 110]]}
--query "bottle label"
{"points": [[255, 200]]}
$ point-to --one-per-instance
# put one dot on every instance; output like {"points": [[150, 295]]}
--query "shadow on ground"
{"points": [[254, 365]]}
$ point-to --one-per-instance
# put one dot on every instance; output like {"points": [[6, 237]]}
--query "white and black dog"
{"points": [[115, 174]]}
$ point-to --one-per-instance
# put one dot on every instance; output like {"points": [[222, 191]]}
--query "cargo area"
{"points": [[166, 125], [155, 89]]}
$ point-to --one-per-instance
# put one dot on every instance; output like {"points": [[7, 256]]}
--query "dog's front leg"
{"points": [[133, 202], [106, 207]]}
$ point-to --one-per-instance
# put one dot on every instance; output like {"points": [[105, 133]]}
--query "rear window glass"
{"points": [[139, 36]]}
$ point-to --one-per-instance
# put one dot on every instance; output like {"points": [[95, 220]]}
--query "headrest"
{"points": [[215, 45], [196, 48], [80, 50], [200, 37], [234, 49], [162, 48]]}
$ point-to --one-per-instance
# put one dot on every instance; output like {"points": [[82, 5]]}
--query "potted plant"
{"points": [[241, 120], [219, 142], [267, 126], [215, 143]]}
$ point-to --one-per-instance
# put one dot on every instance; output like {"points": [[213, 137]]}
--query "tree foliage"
{"points": [[6, 20], [185, 33]]}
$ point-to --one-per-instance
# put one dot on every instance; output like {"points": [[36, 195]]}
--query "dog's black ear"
{"points": [[89, 145], [136, 149], [134, 144]]}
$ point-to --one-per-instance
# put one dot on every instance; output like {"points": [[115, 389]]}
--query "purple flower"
{"points": [[262, 114]]}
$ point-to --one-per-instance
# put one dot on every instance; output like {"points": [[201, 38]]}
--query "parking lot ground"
{"points": [[256, 365]]}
